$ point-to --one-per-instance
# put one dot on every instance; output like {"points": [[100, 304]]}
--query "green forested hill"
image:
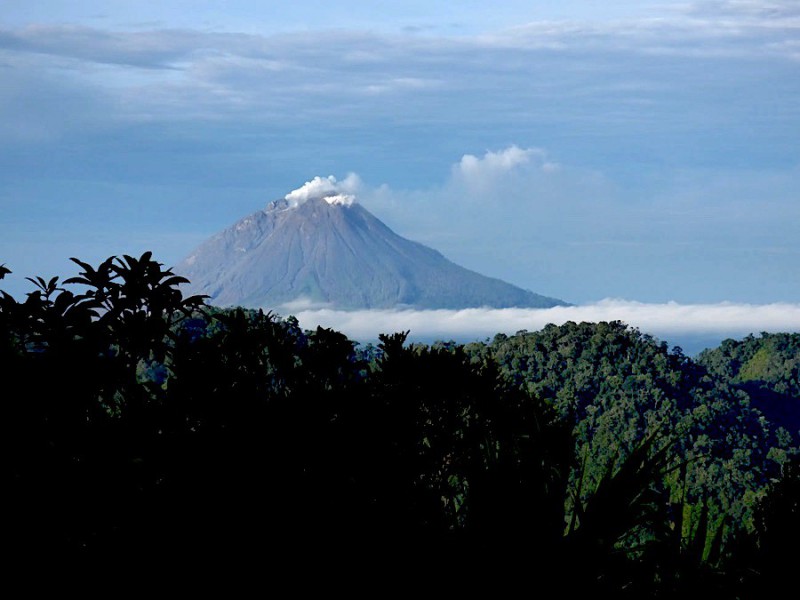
{"points": [[617, 387], [767, 367], [586, 455]]}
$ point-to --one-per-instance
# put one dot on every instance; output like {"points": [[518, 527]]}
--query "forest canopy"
{"points": [[148, 421]]}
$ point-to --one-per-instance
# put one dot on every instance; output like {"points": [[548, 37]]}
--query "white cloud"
{"points": [[504, 168], [502, 161], [670, 320], [327, 188], [495, 161]]}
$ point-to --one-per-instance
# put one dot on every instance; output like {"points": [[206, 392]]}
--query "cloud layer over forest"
{"points": [[670, 321]]}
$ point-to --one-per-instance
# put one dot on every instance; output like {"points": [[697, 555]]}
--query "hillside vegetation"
{"points": [[587, 453], [767, 368]]}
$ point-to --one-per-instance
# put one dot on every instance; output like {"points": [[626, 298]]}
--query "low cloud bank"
{"points": [[671, 321]]}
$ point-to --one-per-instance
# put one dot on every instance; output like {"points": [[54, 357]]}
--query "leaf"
{"points": [[39, 283], [86, 266], [175, 280], [80, 280], [197, 299]]}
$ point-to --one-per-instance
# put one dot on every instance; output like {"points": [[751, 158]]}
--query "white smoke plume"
{"points": [[328, 188]]}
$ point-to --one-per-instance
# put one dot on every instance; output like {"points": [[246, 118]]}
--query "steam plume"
{"points": [[327, 188]]}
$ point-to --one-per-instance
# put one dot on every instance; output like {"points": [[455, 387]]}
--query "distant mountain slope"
{"points": [[336, 253]]}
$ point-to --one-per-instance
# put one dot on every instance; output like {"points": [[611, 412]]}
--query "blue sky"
{"points": [[643, 150]]}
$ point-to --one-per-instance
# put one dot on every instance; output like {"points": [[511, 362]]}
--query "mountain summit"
{"points": [[326, 249]]}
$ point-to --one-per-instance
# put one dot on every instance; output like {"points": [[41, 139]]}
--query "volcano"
{"points": [[330, 251]]}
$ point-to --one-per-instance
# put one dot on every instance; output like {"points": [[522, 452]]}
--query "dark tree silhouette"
{"points": [[587, 456]]}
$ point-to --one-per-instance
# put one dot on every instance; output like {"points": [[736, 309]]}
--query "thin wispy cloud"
{"points": [[672, 126], [349, 63], [764, 12]]}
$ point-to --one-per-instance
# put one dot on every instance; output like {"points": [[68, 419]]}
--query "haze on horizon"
{"points": [[645, 150]]}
